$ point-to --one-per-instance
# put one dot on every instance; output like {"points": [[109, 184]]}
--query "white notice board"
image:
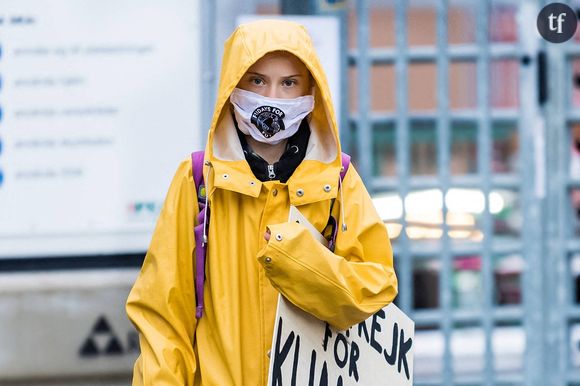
{"points": [[99, 102]]}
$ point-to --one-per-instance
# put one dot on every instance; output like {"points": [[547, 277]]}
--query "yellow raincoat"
{"points": [[229, 345]]}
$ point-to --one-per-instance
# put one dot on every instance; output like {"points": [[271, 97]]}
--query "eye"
{"points": [[289, 82], [257, 81]]}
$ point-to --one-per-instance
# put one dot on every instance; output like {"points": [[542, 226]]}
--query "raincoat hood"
{"points": [[247, 44]]}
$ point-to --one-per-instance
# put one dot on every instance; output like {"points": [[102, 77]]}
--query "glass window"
{"points": [[505, 151], [463, 148], [426, 283], [384, 150]]}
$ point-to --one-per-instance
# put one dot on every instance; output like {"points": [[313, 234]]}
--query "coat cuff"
{"points": [[272, 256]]}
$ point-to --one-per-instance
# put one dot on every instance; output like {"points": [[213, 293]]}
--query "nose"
{"points": [[273, 92]]}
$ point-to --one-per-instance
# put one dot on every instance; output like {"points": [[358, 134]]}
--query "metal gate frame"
{"points": [[561, 309]]}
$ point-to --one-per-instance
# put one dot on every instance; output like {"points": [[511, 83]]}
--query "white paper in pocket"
{"points": [[296, 216]]}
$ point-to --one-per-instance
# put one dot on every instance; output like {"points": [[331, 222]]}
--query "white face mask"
{"points": [[269, 120]]}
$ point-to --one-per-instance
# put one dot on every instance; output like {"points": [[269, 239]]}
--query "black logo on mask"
{"points": [[268, 120]]}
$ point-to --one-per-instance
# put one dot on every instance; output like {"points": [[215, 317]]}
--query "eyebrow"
{"points": [[266, 76]]}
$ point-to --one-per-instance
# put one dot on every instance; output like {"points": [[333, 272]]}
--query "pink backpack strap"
{"points": [[345, 158], [200, 244], [197, 167]]}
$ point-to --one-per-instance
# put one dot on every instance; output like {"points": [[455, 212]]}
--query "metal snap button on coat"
{"points": [[274, 192], [300, 192], [225, 176], [252, 183], [279, 237], [327, 188], [267, 260]]}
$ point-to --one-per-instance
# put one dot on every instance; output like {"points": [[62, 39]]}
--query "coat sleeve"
{"points": [[161, 303], [342, 288]]}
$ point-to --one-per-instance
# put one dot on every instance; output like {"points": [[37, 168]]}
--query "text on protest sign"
{"points": [[307, 351]]}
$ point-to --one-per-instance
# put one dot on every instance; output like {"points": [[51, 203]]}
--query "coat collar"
{"points": [[313, 180]]}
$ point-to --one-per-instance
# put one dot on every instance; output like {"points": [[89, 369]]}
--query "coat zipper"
{"points": [[271, 174]]}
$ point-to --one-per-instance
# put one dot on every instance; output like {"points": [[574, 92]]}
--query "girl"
{"points": [[273, 143]]}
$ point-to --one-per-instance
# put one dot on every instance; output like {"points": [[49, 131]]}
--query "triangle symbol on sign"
{"points": [[101, 326], [89, 348], [114, 347]]}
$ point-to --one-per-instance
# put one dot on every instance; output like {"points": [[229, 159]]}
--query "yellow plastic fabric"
{"points": [[229, 345]]}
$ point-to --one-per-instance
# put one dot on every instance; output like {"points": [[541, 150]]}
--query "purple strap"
{"points": [[200, 245], [345, 164], [332, 221], [197, 167]]}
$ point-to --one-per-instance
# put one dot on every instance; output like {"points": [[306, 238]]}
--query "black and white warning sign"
{"points": [[307, 351], [102, 340]]}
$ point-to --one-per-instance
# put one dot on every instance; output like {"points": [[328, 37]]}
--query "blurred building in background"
{"points": [[465, 126]]}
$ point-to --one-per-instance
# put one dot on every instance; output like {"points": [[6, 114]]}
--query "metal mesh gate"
{"points": [[480, 263]]}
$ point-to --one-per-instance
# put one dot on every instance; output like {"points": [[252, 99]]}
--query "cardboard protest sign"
{"points": [[307, 351], [296, 216]]}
